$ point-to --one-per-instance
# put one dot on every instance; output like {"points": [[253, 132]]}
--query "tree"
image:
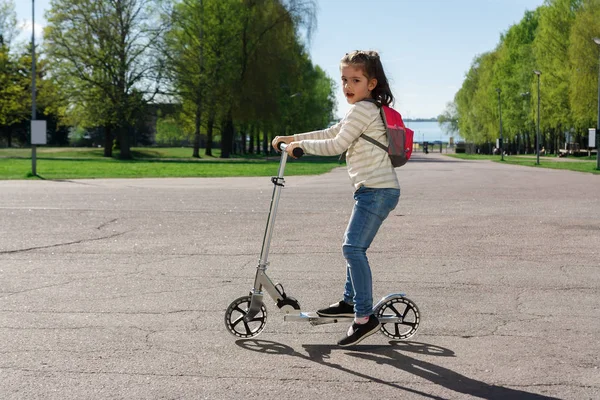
{"points": [[477, 103], [106, 60], [169, 131], [15, 100], [8, 23], [449, 119], [184, 54], [260, 20], [237, 62], [555, 39], [199, 49], [551, 51], [514, 74], [583, 56]]}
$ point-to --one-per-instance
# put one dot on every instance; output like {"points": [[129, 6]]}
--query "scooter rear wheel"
{"points": [[407, 311], [234, 318]]}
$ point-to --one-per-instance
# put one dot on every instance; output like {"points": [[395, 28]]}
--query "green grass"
{"points": [[87, 163], [578, 164], [98, 153]]}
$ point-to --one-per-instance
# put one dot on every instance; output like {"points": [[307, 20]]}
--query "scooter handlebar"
{"points": [[297, 152]]}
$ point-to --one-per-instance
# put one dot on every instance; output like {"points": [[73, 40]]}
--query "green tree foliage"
{"points": [[555, 39], [106, 60], [471, 116], [14, 99], [267, 37], [513, 73], [169, 131], [584, 58], [8, 22], [449, 119], [237, 68], [51, 103], [241, 66], [186, 63], [551, 52]]}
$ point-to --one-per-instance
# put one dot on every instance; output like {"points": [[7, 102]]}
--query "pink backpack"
{"points": [[400, 138]]}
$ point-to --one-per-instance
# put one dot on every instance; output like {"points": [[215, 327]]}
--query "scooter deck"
{"points": [[315, 319]]}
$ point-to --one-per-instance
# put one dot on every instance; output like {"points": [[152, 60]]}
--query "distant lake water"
{"points": [[429, 131]]}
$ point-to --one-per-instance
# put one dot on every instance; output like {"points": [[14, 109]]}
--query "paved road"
{"points": [[117, 288]]}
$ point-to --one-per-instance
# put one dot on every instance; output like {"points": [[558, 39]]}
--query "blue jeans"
{"points": [[371, 208]]}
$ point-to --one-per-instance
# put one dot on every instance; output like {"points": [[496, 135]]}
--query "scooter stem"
{"points": [[278, 183]]}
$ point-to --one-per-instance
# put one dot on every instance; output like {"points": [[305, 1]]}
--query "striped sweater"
{"points": [[368, 165]]}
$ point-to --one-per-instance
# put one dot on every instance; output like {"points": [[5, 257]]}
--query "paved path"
{"points": [[117, 288]]}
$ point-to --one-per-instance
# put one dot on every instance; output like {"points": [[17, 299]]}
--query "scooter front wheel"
{"points": [[234, 318]]}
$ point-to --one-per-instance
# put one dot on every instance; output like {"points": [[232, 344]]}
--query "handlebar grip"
{"points": [[298, 152]]}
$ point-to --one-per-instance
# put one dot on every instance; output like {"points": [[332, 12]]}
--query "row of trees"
{"points": [[555, 39], [230, 69], [15, 86]]}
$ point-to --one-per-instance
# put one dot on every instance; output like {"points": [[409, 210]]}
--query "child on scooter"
{"points": [[376, 186]]}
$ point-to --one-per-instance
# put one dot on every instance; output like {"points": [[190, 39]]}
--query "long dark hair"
{"points": [[370, 63]]}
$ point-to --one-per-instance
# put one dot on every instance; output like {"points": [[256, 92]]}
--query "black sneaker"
{"points": [[341, 309], [358, 332]]}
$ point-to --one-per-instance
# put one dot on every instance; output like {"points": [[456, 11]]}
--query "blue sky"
{"points": [[426, 46]]}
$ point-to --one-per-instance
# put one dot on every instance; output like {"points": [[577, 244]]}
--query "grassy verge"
{"points": [[71, 163], [579, 164], [140, 153]]}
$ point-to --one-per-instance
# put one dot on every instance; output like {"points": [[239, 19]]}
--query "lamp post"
{"points": [[523, 95], [537, 144], [501, 140], [33, 108], [597, 41]]}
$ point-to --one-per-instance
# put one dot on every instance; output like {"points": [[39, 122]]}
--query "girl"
{"points": [[376, 186]]}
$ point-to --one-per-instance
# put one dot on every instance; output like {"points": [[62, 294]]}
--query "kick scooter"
{"points": [[246, 316]]}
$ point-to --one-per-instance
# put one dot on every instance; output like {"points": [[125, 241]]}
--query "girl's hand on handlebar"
{"points": [[291, 147], [279, 139]]}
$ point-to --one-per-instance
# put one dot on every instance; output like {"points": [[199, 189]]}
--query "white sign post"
{"points": [[38, 132], [38, 136], [592, 137]]}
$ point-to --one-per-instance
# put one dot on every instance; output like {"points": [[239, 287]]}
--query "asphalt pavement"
{"points": [[117, 289]]}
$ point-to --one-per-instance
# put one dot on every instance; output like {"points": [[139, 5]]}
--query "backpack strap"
{"points": [[368, 138], [375, 142], [382, 114]]}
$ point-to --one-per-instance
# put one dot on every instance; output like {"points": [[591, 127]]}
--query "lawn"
{"points": [[89, 163], [80, 163], [579, 164], [139, 153]]}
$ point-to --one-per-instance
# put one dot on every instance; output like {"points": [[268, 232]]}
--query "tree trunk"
{"points": [[243, 137], [265, 142], [251, 141], [197, 121], [257, 139], [227, 136], [209, 134], [124, 142], [108, 145]]}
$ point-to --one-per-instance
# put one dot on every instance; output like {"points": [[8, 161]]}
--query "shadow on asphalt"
{"points": [[395, 355]]}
